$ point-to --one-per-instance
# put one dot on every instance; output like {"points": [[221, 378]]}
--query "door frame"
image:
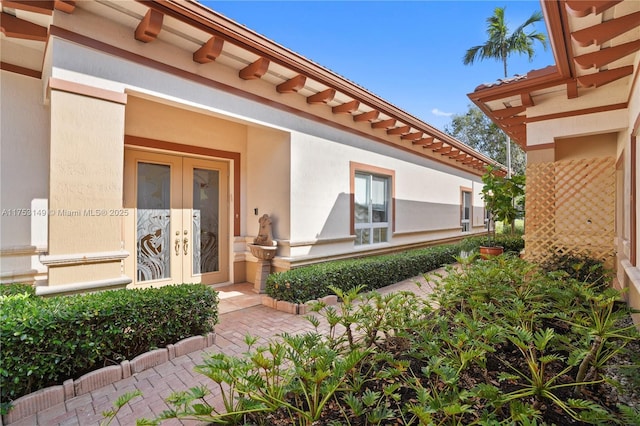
{"points": [[133, 155]]}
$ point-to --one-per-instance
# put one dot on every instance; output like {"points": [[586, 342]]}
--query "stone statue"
{"points": [[265, 237]]}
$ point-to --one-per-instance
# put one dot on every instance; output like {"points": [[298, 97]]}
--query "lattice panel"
{"points": [[570, 209]]}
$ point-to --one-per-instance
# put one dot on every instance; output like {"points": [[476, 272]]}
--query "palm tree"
{"points": [[501, 45]]}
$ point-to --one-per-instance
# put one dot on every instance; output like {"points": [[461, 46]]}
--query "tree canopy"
{"points": [[476, 130], [501, 44]]}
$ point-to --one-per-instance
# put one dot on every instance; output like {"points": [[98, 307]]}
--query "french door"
{"points": [[177, 227]]}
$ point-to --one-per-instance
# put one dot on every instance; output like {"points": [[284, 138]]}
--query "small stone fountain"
{"points": [[264, 249]]}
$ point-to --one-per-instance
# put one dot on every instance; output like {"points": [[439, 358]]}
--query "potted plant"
{"points": [[500, 195]]}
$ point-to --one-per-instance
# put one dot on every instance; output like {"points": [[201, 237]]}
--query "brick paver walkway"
{"points": [[159, 382]]}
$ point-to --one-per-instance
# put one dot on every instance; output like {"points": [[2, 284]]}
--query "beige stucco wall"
{"points": [[268, 180], [427, 196], [85, 187], [573, 148], [24, 172]]}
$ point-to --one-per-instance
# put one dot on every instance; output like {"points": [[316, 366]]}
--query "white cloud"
{"points": [[436, 111]]}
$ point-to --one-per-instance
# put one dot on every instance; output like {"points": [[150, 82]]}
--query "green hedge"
{"points": [[311, 282], [44, 341]]}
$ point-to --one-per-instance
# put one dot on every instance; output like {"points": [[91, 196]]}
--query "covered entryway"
{"points": [[177, 223]]}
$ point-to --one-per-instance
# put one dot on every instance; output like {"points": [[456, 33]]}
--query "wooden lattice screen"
{"points": [[570, 209]]}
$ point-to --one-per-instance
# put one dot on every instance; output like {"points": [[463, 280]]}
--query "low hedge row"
{"points": [[312, 282], [44, 341]]}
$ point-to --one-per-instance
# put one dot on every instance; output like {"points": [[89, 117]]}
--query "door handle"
{"points": [[177, 246], [185, 245]]}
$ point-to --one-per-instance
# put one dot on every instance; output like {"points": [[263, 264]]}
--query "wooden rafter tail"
{"points": [[209, 51], [582, 8], [600, 33], [508, 112], [14, 27], [399, 130], [384, 124], [603, 57], [322, 97], [346, 108], [367, 116], [66, 6], [255, 70], [149, 27], [603, 77], [292, 85], [412, 136]]}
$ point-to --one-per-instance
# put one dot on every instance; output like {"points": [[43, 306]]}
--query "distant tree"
{"points": [[476, 130]]}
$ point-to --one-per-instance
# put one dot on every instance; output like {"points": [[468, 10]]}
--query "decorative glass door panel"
{"points": [[178, 216], [153, 222], [205, 221]]}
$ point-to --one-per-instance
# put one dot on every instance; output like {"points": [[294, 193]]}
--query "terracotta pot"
{"points": [[489, 252]]}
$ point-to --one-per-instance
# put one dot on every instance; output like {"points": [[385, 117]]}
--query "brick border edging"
{"points": [[296, 308], [42, 399]]}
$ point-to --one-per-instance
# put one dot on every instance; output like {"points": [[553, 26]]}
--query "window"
{"points": [[372, 206], [465, 209]]}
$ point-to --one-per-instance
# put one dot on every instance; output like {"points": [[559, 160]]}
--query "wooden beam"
{"points": [[346, 108], [209, 51], [443, 149], [399, 130], [322, 97], [66, 6], [367, 116], [513, 121], [603, 57], [508, 112], [292, 85], [603, 77], [35, 6], [572, 89], [598, 34], [453, 153], [14, 27], [436, 145], [149, 27], [461, 157], [526, 99], [384, 124], [582, 8], [412, 136], [425, 142], [254, 70]]}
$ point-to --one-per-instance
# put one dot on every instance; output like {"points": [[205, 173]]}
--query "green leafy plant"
{"points": [[502, 197]]}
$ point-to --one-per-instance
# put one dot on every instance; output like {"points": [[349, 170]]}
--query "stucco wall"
{"points": [[427, 196], [268, 186], [24, 174]]}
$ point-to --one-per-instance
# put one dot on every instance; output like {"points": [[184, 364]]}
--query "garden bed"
{"points": [[498, 342]]}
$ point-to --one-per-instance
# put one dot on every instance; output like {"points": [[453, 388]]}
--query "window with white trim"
{"points": [[372, 208], [465, 210]]}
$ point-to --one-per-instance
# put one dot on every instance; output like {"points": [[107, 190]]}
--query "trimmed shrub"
{"points": [[312, 282], [45, 341], [17, 288]]}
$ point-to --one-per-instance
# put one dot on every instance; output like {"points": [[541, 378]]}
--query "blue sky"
{"points": [[407, 52]]}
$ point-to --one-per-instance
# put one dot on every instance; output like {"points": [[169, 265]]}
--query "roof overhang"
{"points": [[209, 37]]}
